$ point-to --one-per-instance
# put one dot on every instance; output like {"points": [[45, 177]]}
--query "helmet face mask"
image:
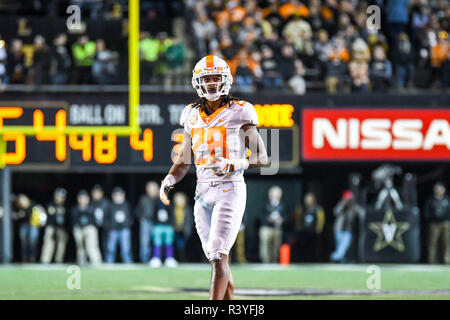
{"points": [[211, 78]]}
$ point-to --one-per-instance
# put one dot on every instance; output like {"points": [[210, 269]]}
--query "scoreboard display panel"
{"points": [[61, 134]]}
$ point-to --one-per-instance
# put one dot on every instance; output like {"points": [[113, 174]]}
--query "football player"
{"points": [[220, 135]]}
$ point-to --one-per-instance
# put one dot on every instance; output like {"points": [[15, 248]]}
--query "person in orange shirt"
{"points": [[439, 55], [293, 7]]}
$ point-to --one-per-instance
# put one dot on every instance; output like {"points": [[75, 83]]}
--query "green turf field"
{"points": [[191, 281]]}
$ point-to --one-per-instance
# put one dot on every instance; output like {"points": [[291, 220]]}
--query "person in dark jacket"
{"points": [[163, 234], [60, 61], [30, 216], [84, 230], [437, 214], [346, 211], [118, 221], [271, 232], [309, 222], [41, 61], [404, 61], [56, 228], [100, 205], [144, 212], [380, 70], [183, 221]]}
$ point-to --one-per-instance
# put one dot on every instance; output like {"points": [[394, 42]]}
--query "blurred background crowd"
{"points": [[109, 228], [288, 45]]}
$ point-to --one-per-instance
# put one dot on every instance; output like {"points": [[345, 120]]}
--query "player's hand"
{"points": [[221, 166], [166, 186]]}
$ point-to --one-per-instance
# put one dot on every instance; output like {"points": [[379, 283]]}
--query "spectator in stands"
{"points": [[293, 8], [56, 228], [397, 18], [345, 212], [380, 70], [101, 205], [204, 30], [420, 18], [144, 212], [60, 61], [336, 70], [85, 231], [149, 53], [3, 61], [30, 217], [244, 75], [161, 66], [315, 18], [287, 62], [183, 224], [358, 67], [16, 68], [104, 66], [323, 48], [439, 55], [299, 33], [41, 61], [271, 232], [175, 58], [83, 54], [437, 215], [118, 221], [404, 61], [163, 234], [269, 63], [309, 222], [297, 82]]}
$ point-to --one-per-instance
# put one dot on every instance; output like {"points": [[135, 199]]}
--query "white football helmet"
{"points": [[212, 65]]}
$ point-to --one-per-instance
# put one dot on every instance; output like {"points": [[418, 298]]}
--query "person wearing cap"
{"points": [[345, 212], [56, 227], [100, 205], [84, 230], [118, 221]]}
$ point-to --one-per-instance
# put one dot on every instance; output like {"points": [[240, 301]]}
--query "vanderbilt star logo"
{"points": [[389, 232]]}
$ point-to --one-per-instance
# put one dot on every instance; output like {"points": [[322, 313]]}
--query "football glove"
{"points": [[166, 185], [221, 166]]}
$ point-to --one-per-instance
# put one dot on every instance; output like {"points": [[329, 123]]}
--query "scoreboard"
{"points": [[92, 135]]}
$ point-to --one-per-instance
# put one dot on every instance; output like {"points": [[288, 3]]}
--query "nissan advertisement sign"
{"points": [[376, 134]]}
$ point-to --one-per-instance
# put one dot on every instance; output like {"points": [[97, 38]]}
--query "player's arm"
{"points": [[178, 169], [253, 141]]}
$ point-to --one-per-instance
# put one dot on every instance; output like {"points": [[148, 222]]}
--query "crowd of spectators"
{"points": [[100, 225], [282, 43], [288, 45], [88, 62]]}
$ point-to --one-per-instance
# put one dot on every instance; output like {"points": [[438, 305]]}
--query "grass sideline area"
{"points": [[252, 281]]}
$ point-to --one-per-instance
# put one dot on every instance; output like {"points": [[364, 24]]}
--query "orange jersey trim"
{"points": [[208, 118]]}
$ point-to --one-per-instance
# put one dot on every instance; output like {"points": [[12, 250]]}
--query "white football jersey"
{"points": [[218, 135]]}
